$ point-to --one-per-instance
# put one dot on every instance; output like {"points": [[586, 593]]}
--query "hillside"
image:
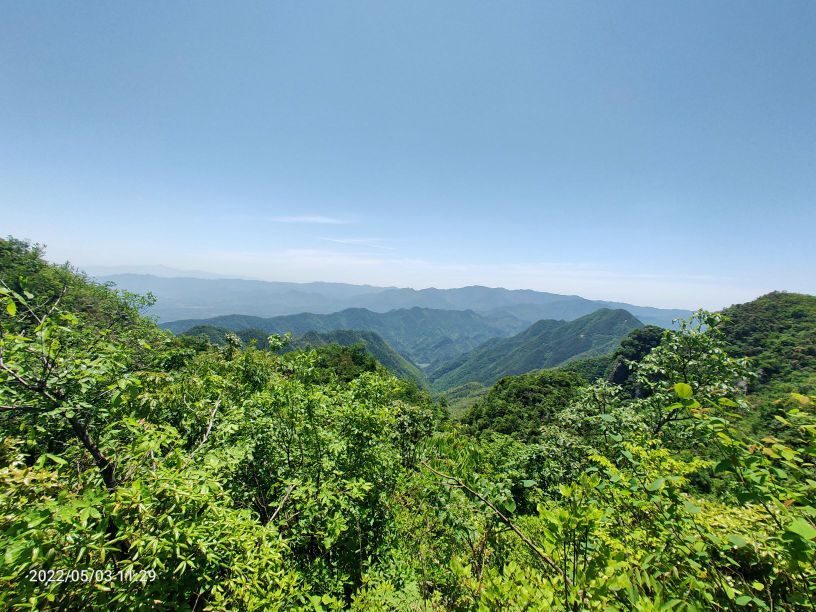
{"points": [[545, 344], [422, 335], [217, 335], [373, 344], [778, 332], [201, 298], [520, 405]]}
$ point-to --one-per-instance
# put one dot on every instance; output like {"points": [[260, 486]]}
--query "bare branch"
{"points": [[283, 501], [530, 544], [211, 421], [20, 408]]}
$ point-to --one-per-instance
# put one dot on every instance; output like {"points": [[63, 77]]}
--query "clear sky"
{"points": [[660, 153]]}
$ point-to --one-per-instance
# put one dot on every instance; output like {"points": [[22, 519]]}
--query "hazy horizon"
{"points": [[642, 153], [163, 271]]}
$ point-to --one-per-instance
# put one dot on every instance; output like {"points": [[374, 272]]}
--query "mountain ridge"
{"points": [[545, 344], [423, 335], [196, 298]]}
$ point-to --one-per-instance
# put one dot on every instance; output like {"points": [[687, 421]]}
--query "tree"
{"points": [[695, 356]]}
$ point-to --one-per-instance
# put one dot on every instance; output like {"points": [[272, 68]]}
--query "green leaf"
{"points": [[510, 505], [683, 390], [725, 465], [656, 484], [527, 483], [743, 600], [11, 307], [56, 459], [802, 528], [691, 508], [736, 540]]}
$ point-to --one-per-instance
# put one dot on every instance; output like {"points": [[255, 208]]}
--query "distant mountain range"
{"points": [[449, 337], [544, 344], [455, 347], [160, 271], [423, 335], [203, 298]]}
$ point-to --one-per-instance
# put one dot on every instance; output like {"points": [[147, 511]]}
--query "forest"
{"points": [[669, 469]]}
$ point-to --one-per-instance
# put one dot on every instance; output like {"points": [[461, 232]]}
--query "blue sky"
{"points": [[656, 153]]}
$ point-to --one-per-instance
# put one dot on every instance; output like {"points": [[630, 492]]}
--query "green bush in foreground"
{"points": [[184, 476]]}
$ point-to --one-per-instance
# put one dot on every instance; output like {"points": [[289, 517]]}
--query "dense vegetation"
{"points": [[545, 344], [777, 332], [173, 474]]}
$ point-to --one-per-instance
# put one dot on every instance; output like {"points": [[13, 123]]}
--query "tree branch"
{"points": [[530, 544], [20, 408], [283, 501], [210, 423]]}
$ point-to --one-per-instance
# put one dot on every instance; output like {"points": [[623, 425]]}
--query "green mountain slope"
{"points": [[422, 335], [216, 335], [778, 332], [545, 344], [373, 344], [520, 405]]}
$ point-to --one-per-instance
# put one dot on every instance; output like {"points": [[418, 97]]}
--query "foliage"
{"points": [[590, 368], [371, 343], [778, 332], [521, 405], [695, 358], [139, 470], [460, 399], [633, 348]]}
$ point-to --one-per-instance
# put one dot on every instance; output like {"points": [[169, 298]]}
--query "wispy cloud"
{"points": [[316, 219], [374, 243]]}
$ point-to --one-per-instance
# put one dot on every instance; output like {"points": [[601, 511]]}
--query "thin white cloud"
{"points": [[374, 243], [316, 219]]}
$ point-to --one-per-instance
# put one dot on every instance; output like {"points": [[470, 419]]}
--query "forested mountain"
{"points": [[218, 335], [613, 367], [141, 470], [545, 344], [187, 298], [422, 335], [778, 332], [521, 405], [371, 342]]}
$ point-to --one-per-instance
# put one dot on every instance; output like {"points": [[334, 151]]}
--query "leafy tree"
{"points": [[633, 348], [521, 405], [694, 356]]}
